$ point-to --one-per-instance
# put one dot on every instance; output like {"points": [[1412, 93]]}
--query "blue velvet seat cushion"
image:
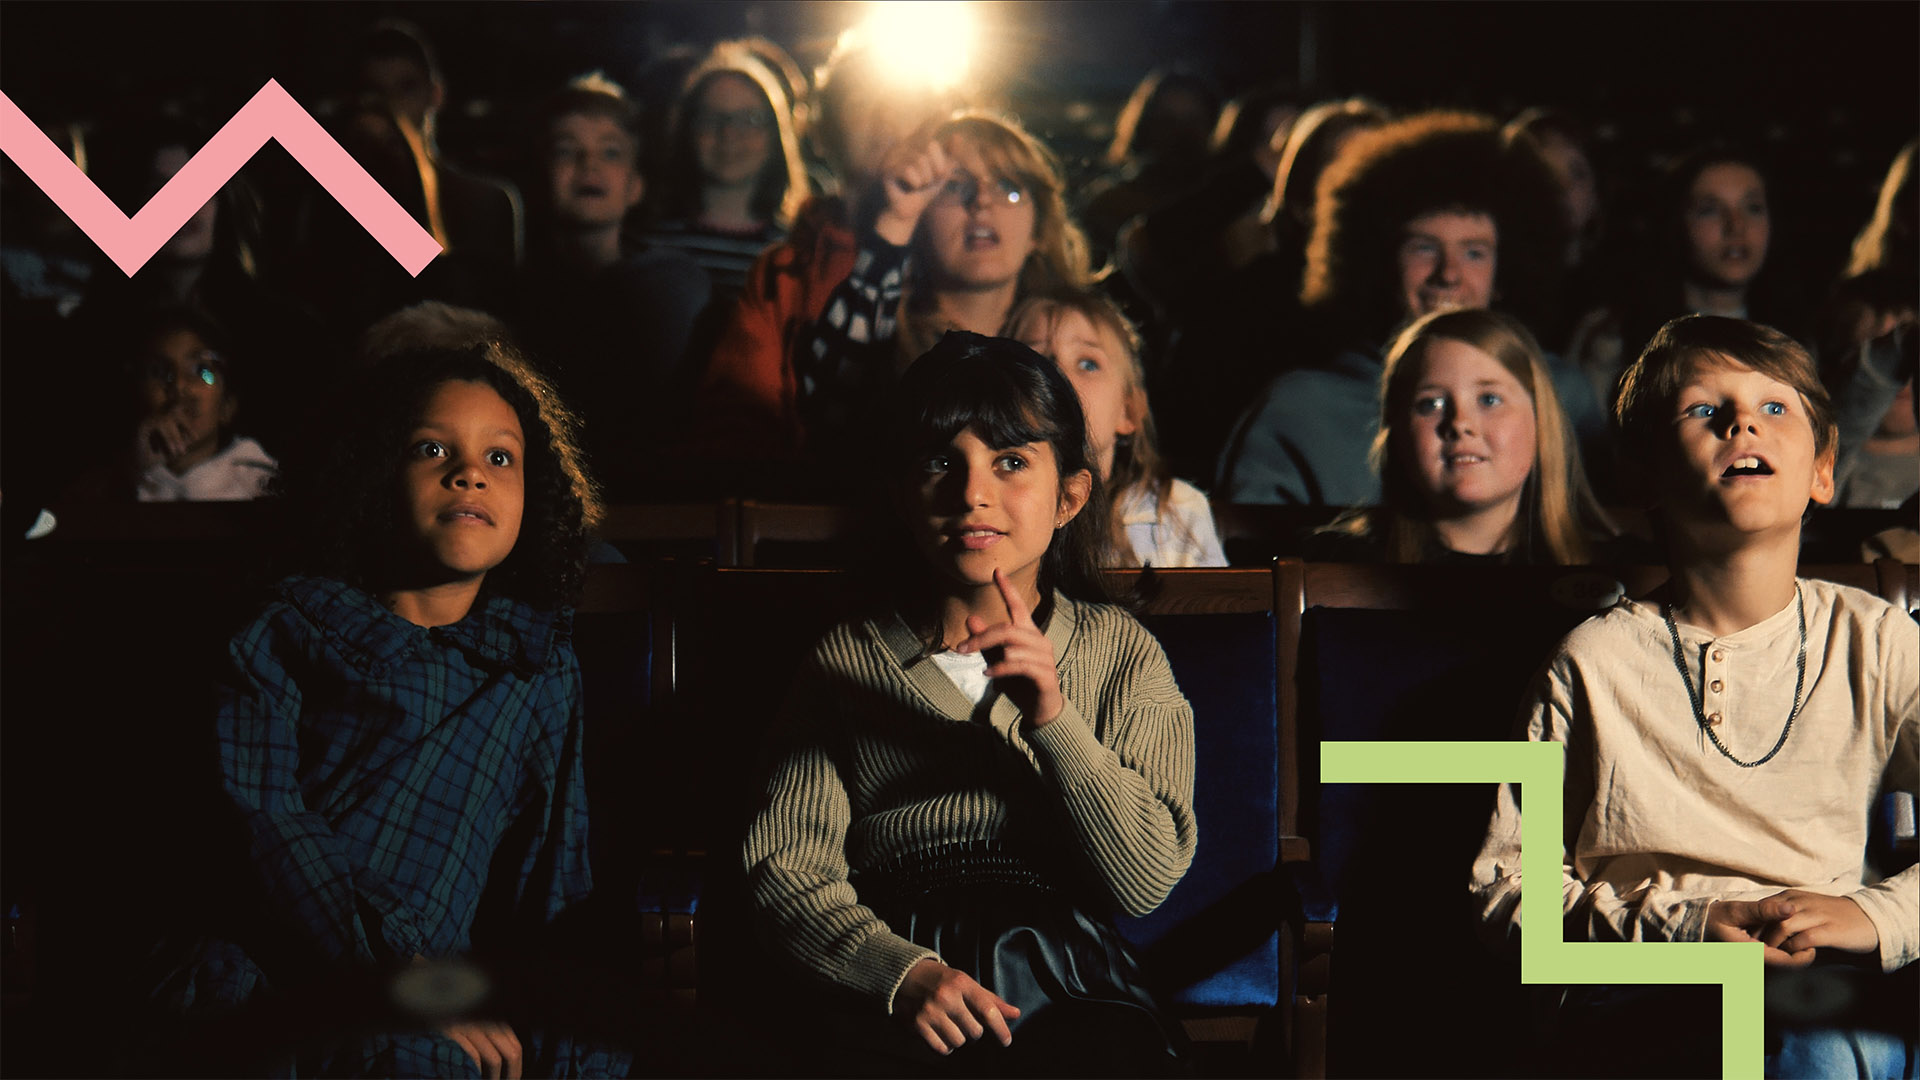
{"points": [[1217, 933], [1367, 675]]}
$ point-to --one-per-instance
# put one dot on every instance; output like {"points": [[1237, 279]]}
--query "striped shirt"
{"points": [[724, 255]]}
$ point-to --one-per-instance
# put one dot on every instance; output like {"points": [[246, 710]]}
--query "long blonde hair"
{"points": [[1060, 260], [1137, 465], [1557, 505]]}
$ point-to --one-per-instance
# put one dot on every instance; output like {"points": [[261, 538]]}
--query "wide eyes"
{"points": [[1434, 404], [1010, 461], [435, 450], [1704, 411], [564, 153], [205, 372], [963, 188], [1087, 363], [1708, 211]]}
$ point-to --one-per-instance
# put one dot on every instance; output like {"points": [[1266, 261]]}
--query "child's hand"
{"points": [[915, 172], [1819, 921], [1792, 924], [949, 1009], [492, 1045], [1025, 663], [160, 439]]}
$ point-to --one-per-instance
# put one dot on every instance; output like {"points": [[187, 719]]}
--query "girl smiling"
{"points": [[1477, 461], [969, 781]]}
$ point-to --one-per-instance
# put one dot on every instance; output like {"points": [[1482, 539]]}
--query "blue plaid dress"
{"points": [[399, 786]]}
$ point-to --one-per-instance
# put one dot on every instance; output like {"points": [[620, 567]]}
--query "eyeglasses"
{"points": [[208, 370], [965, 190], [714, 123]]}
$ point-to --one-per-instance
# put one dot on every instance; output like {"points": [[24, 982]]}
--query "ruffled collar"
{"points": [[500, 631]]}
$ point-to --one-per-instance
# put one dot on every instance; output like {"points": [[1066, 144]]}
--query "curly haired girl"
{"points": [[400, 734]]}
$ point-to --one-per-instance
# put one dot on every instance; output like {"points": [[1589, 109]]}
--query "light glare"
{"points": [[928, 41]]}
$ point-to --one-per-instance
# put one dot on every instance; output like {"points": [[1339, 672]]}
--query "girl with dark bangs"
{"points": [[400, 735], [968, 781]]}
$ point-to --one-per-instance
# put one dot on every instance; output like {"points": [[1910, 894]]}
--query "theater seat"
{"points": [[1226, 666], [1413, 653]]}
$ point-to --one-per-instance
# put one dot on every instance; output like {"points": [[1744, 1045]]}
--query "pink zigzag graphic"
{"points": [[272, 114]]}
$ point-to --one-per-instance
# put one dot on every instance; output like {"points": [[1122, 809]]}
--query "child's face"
{"points": [[194, 241], [975, 508], [733, 131], [1447, 260], [1746, 459], [405, 86], [1575, 173], [1470, 429], [1095, 360], [464, 480], [181, 378], [1727, 225], [980, 228], [593, 172]]}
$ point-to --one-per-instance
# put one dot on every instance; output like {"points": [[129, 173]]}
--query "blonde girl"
{"points": [[1476, 458], [1158, 519]]}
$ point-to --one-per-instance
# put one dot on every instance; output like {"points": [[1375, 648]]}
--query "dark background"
{"points": [[1772, 69]]}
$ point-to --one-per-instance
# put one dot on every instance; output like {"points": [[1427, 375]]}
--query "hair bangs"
{"points": [[984, 399]]}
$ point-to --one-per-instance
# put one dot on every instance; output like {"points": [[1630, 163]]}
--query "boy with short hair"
{"points": [[1726, 741], [614, 317]]}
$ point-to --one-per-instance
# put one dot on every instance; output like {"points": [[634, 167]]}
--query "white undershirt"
{"points": [[968, 671]]}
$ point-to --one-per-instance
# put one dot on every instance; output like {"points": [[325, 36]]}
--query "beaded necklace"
{"points": [[1699, 712]]}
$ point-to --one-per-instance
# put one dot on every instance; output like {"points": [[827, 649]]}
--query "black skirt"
{"points": [[1084, 1006]]}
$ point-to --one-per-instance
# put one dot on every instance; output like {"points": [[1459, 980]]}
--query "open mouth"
{"points": [[589, 191], [467, 514], [981, 236], [976, 538], [1747, 466], [1454, 461]]}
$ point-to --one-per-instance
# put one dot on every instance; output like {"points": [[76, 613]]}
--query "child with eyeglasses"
{"points": [[734, 177], [183, 405], [973, 221]]}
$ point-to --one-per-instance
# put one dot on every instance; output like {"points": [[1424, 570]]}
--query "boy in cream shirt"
{"points": [[1726, 739]]}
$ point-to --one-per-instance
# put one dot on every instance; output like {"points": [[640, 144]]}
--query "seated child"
{"points": [[183, 446], [614, 318], [1158, 519], [1477, 461], [1727, 738], [400, 734], [970, 780]]}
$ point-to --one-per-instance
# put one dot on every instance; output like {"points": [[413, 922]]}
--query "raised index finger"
{"points": [[1017, 609]]}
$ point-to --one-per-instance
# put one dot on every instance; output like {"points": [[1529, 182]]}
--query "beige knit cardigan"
{"points": [[879, 755]]}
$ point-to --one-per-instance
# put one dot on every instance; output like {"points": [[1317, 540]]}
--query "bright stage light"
{"points": [[928, 41]]}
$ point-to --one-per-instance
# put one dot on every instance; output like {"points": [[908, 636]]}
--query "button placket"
{"points": [[1712, 685]]}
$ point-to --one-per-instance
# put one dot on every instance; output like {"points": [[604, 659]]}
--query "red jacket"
{"points": [[745, 409]]}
